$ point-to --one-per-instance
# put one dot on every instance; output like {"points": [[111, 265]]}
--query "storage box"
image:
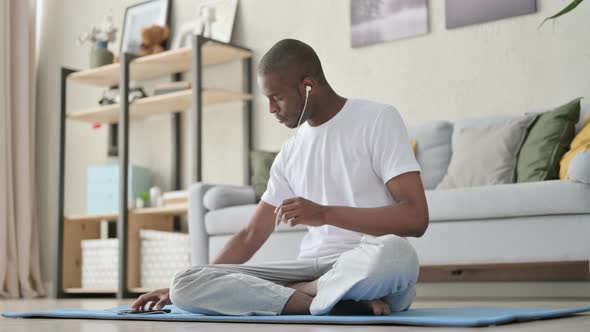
{"points": [[100, 264], [175, 197], [163, 254], [103, 187]]}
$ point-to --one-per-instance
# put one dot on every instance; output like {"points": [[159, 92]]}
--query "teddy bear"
{"points": [[152, 39]]}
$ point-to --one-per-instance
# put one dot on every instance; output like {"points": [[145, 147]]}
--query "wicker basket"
{"points": [[163, 254], [100, 263]]}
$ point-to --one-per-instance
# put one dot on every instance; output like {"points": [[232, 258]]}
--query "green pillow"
{"points": [[260, 162], [547, 141]]}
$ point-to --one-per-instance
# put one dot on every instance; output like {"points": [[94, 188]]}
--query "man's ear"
{"points": [[308, 81]]}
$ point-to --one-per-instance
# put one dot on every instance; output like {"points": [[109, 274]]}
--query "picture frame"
{"points": [[225, 14], [183, 33], [139, 16], [378, 21], [460, 13]]}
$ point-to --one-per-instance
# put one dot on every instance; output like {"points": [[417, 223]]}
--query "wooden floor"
{"points": [[576, 323]]}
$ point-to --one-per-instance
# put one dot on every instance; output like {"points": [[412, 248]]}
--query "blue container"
{"points": [[103, 187]]}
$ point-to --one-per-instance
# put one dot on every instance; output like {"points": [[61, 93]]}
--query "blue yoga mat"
{"points": [[464, 316]]}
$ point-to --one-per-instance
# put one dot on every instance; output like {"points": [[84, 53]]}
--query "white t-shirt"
{"points": [[346, 161]]}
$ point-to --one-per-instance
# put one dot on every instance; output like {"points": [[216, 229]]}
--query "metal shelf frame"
{"points": [[119, 137]]}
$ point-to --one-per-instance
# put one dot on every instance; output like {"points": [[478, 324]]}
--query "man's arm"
{"points": [[246, 243], [408, 217]]}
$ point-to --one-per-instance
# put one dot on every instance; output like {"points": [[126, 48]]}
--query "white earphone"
{"points": [[307, 90]]}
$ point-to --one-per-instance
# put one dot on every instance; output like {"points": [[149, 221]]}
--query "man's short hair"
{"points": [[292, 51]]}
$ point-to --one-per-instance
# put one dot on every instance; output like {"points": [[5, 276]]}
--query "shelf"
{"points": [[104, 291], [89, 290], [168, 210], [167, 103], [140, 290], [157, 65], [93, 217]]}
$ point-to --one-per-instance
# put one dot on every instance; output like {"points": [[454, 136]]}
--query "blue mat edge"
{"points": [[541, 313]]}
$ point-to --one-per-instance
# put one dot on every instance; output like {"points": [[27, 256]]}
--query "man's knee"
{"points": [[185, 284], [394, 256]]}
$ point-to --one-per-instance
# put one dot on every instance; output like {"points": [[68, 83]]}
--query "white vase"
{"points": [[155, 194], [139, 203]]}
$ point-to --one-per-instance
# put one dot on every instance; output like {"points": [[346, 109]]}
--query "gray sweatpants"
{"points": [[383, 267]]}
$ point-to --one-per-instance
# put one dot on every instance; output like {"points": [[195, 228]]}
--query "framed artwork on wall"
{"points": [[378, 21], [461, 13]]}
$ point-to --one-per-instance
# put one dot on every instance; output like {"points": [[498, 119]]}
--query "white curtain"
{"points": [[20, 273]]}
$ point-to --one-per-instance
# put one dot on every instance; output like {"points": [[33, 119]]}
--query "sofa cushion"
{"points": [[509, 200], [486, 155], [584, 114], [481, 122], [433, 153], [580, 143], [546, 143], [222, 196], [233, 219], [261, 161], [579, 169]]}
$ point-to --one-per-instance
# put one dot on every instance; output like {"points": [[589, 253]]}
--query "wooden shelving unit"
{"points": [[167, 103], [167, 210], [162, 64], [75, 228]]}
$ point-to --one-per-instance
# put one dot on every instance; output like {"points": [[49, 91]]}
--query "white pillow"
{"points": [[579, 169], [486, 155], [584, 112], [433, 150]]}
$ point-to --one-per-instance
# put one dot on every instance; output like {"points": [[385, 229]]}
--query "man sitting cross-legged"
{"points": [[349, 174]]}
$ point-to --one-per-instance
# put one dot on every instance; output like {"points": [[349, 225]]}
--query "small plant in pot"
{"points": [[100, 37], [142, 200]]}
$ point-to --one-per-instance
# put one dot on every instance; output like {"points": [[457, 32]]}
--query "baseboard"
{"points": [[525, 271], [503, 290]]}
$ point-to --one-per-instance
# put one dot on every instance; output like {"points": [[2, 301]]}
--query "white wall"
{"points": [[503, 67]]}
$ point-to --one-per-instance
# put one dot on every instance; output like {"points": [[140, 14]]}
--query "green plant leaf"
{"points": [[564, 11], [145, 196]]}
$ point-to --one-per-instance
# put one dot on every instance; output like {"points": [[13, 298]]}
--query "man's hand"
{"points": [[158, 299], [295, 211]]}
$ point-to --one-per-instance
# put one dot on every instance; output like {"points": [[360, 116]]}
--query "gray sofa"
{"points": [[536, 231]]}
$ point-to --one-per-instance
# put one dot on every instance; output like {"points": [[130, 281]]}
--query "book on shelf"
{"points": [[170, 87], [175, 197]]}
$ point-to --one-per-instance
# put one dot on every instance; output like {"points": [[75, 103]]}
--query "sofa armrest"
{"points": [[223, 196], [199, 240]]}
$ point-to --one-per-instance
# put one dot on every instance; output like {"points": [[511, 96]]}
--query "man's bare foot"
{"points": [[372, 307], [308, 287], [379, 307], [298, 304]]}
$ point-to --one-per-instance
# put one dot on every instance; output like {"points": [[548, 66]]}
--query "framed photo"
{"points": [[183, 33], [225, 14], [139, 16], [378, 21], [461, 13]]}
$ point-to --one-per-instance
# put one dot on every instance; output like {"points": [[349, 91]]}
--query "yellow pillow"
{"points": [[414, 145], [580, 143]]}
